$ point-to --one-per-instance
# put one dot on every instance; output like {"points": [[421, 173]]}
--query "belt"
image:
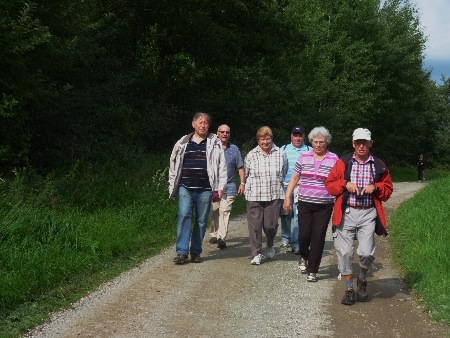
{"points": [[360, 207]]}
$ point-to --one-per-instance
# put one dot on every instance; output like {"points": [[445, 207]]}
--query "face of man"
{"points": [[297, 140], [201, 126], [362, 148], [224, 133]]}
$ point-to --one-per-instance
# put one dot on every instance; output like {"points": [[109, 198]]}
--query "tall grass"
{"points": [[67, 232], [420, 237]]}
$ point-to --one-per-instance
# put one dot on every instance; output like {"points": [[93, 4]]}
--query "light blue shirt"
{"points": [[293, 154], [234, 161]]}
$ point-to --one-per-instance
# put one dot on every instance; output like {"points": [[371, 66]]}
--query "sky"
{"points": [[434, 19]]}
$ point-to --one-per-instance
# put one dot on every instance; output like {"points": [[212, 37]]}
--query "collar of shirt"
{"points": [[369, 159]]}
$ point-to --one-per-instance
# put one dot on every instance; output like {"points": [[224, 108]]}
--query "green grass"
{"points": [[409, 174], [420, 238], [63, 235]]}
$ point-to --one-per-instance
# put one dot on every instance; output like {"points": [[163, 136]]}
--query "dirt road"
{"points": [[225, 296]]}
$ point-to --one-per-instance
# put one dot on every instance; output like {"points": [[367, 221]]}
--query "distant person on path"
{"points": [[220, 209], [197, 168], [315, 204], [421, 168], [265, 167], [289, 230], [361, 182]]}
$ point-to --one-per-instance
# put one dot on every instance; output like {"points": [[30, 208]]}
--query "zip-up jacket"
{"points": [[338, 177], [215, 162]]}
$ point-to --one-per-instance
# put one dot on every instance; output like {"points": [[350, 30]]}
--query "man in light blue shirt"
{"points": [[289, 234], [221, 207]]}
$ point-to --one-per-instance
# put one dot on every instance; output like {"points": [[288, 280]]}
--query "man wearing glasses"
{"points": [[221, 207]]}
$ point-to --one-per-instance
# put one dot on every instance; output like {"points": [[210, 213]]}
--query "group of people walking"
{"points": [[307, 184]]}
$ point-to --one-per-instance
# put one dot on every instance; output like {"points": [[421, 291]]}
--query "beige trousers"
{"points": [[220, 217]]}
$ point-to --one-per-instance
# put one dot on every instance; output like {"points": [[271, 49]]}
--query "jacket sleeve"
{"points": [[173, 168], [335, 181], [223, 175], [384, 187]]}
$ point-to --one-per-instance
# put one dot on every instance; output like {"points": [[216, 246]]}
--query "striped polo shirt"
{"points": [[312, 177], [194, 174]]}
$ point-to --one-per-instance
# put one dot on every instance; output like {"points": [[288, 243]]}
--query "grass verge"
{"points": [[420, 234]]}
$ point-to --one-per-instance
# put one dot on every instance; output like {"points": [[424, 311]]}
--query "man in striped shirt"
{"points": [[197, 168]]}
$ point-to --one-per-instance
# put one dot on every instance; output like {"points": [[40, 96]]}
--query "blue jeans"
{"points": [[188, 200], [289, 234]]}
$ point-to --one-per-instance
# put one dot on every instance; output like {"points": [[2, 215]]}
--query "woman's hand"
{"points": [[287, 205]]}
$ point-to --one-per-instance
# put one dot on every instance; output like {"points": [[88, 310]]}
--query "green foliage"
{"points": [[95, 81], [58, 228], [419, 236]]}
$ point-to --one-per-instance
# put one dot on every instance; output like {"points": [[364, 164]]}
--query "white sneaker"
{"points": [[256, 260], [302, 264], [311, 277], [270, 252]]}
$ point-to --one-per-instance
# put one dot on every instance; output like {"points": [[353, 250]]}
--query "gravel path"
{"points": [[225, 296]]}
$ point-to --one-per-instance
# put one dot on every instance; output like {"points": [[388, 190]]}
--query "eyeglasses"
{"points": [[318, 143], [224, 131]]}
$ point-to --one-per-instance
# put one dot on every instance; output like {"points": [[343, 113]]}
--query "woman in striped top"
{"points": [[315, 204]]}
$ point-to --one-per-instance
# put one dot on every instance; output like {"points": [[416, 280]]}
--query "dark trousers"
{"points": [[313, 220], [262, 216]]}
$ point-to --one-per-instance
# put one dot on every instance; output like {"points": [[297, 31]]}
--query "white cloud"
{"points": [[434, 20]]}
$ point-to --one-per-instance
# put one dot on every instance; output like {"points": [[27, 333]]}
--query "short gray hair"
{"points": [[202, 114], [319, 131]]}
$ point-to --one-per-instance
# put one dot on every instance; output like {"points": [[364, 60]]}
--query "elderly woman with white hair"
{"points": [[315, 204]]}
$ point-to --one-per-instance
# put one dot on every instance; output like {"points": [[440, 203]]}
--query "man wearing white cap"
{"points": [[361, 182]]}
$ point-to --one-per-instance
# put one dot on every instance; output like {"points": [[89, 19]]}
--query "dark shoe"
{"points": [[312, 277], [180, 259], [195, 258], [349, 297], [213, 240], [221, 244], [361, 294], [296, 251]]}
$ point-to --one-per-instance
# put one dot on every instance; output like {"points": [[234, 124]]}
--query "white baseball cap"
{"points": [[361, 134]]}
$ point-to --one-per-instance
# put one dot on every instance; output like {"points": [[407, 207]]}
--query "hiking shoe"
{"points": [[361, 294], [221, 244], [349, 297], [270, 252], [311, 277], [213, 240], [302, 264], [195, 258], [256, 260], [180, 259], [296, 251]]}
